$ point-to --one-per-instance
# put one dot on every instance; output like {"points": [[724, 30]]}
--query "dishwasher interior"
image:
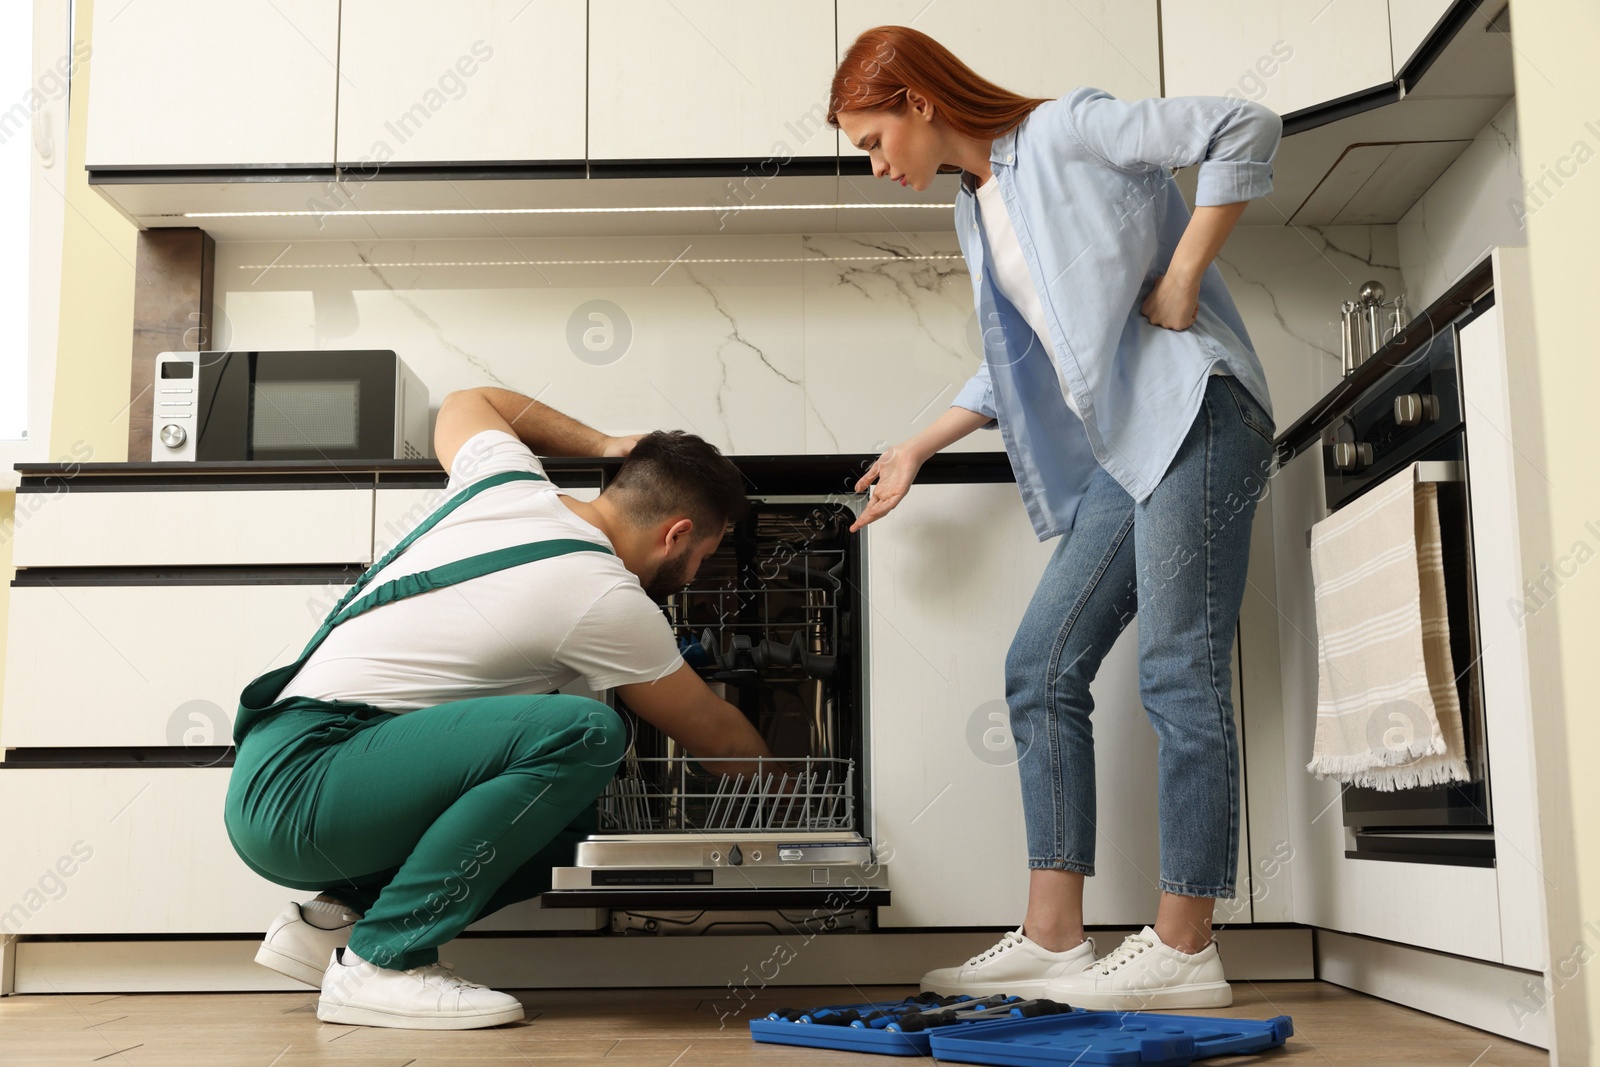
{"points": [[683, 846]]}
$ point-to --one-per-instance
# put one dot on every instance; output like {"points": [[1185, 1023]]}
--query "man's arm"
{"points": [[686, 710], [543, 429]]}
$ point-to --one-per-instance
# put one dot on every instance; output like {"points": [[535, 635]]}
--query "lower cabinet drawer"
{"points": [[103, 665], [82, 527], [134, 850], [143, 850]]}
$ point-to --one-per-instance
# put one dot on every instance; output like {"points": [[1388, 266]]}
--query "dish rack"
{"points": [[677, 794]]}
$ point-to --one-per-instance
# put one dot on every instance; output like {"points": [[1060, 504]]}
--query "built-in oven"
{"points": [[1413, 414], [770, 622]]}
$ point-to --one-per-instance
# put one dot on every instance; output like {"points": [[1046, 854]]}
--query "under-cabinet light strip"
{"points": [[720, 208]]}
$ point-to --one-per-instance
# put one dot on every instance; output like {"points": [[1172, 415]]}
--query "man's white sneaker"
{"points": [[1144, 973], [299, 949], [430, 997], [1015, 965]]}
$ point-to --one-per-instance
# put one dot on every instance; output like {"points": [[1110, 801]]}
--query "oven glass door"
{"points": [[295, 405]]}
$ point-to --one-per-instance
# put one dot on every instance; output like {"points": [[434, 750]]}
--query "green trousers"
{"points": [[422, 821]]}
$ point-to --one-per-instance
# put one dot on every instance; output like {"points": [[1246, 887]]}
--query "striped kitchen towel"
{"points": [[1388, 714]]}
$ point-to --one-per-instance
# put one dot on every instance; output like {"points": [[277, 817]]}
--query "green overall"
{"points": [[427, 819]]}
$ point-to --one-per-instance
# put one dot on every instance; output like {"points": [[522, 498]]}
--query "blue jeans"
{"points": [[1178, 561]]}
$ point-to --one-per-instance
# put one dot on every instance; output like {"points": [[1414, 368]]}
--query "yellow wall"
{"points": [[95, 351], [1558, 109]]}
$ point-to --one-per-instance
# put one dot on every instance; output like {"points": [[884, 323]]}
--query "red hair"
{"points": [[886, 61]]}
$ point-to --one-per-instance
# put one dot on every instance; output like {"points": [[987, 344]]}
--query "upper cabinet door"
{"points": [[1033, 47], [709, 79], [1284, 54], [192, 83], [1409, 22], [473, 81]]}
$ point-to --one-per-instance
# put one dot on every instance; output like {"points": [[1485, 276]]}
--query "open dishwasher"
{"points": [[684, 846]]}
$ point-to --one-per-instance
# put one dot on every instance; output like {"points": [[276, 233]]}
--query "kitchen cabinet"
{"points": [[1410, 21], [135, 850], [151, 664], [185, 83], [1285, 56], [1495, 352], [1445, 908], [949, 575], [161, 643], [1489, 913], [1034, 47], [704, 79], [143, 850], [480, 81], [80, 526]]}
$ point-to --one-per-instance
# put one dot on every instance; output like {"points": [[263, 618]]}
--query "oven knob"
{"points": [[1412, 408], [735, 857], [1352, 455], [173, 435]]}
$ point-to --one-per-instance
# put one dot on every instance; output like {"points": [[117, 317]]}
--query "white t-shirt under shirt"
{"points": [[1011, 276], [531, 628]]}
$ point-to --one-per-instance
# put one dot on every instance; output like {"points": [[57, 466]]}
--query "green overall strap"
{"points": [[421, 528], [463, 569], [261, 697]]}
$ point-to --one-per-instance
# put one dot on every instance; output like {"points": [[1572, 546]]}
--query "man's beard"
{"points": [[671, 576]]}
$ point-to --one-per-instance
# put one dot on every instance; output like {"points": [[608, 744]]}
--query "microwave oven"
{"points": [[328, 405]]}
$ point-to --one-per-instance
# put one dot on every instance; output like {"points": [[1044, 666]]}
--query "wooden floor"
{"points": [[640, 1028]]}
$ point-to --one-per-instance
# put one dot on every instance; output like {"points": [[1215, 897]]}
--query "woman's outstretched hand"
{"points": [[1173, 303], [893, 473]]}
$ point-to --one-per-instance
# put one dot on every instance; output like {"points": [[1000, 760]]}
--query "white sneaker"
{"points": [[300, 950], [430, 997], [1144, 973], [1015, 965]]}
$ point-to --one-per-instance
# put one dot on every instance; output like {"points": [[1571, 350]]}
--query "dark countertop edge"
{"points": [[817, 469], [1307, 429]]}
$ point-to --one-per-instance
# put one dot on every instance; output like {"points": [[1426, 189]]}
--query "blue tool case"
{"points": [[1017, 1032]]}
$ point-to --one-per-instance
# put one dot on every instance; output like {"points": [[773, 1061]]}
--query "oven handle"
{"points": [[1428, 470], [1438, 470]]}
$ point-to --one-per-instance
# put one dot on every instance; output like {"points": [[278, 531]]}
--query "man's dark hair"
{"points": [[672, 473]]}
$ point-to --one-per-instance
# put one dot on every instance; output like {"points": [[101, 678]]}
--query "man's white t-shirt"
{"points": [[1011, 276], [531, 628]]}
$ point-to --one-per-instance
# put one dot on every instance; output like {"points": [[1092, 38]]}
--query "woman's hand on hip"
{"points": [[1174, 302], [890, 476]]}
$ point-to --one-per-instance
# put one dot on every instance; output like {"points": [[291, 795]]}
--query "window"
{"points": [[16, 127], [36, 66]]}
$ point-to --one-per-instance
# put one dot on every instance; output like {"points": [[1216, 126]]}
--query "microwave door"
{"points": [[222, 413], [320, 405]]}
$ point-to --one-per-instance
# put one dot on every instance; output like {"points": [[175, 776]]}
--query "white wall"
{"points": [[1473, 207]]}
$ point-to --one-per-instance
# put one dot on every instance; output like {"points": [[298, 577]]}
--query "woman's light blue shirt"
{"points": [[1087, 183]]}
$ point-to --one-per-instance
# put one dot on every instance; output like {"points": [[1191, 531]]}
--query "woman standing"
{"points": [[1136, 416]]}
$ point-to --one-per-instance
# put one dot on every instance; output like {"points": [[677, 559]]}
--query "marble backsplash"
{"points": [[776, 344]]}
